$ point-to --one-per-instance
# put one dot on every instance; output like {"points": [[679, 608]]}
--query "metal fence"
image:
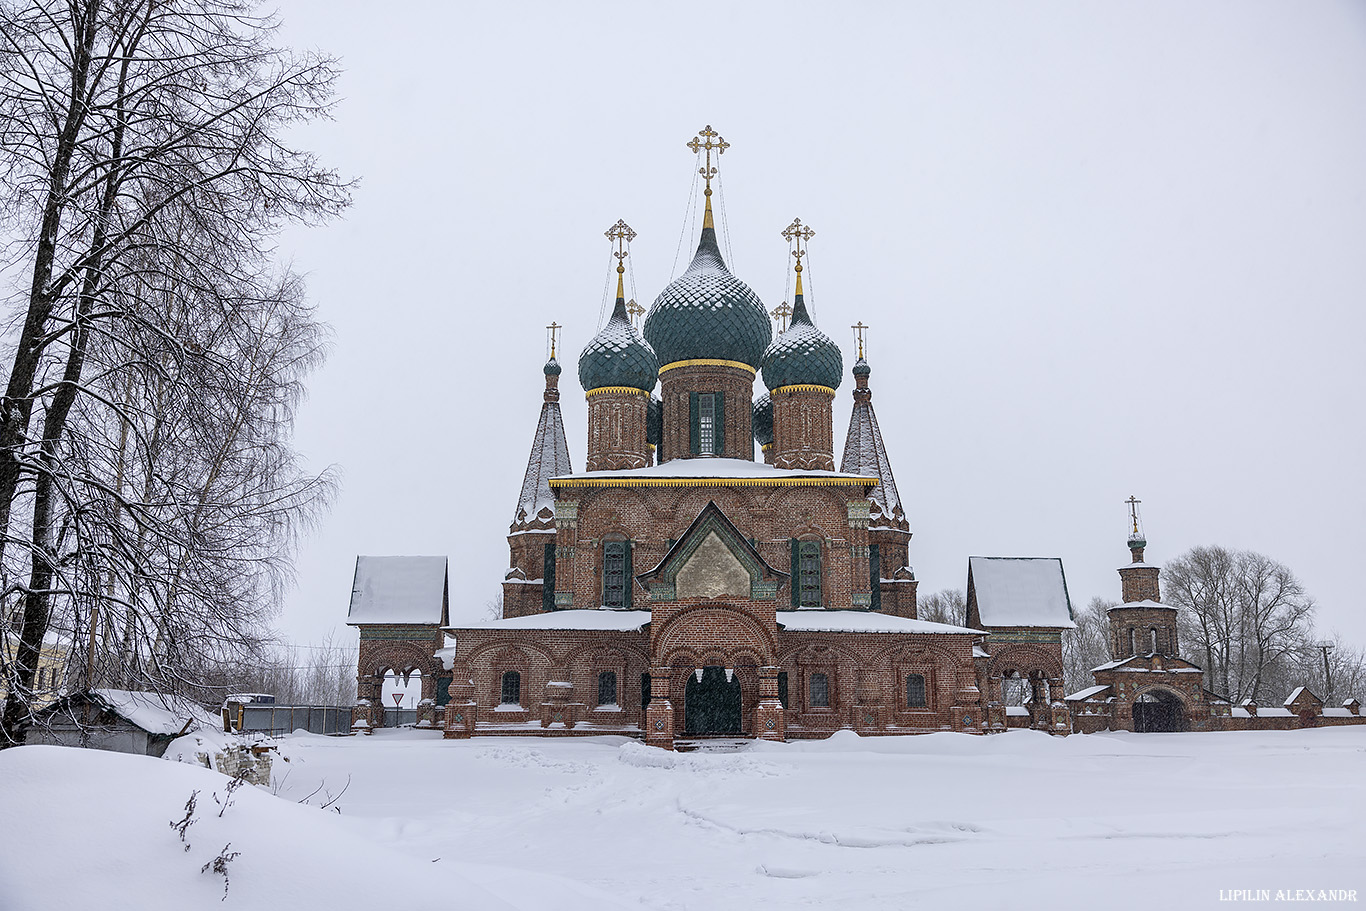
{"points": [[284, 719], [394, 718]]}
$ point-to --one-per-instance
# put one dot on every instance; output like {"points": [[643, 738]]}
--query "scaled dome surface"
{"points": [[802, 355], [708, 313], [618, 356], [762, 421]]}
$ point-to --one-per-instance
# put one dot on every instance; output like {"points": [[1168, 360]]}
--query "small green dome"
{"points": [[802, 354], [654, 421], [708, 313], [618, 356], [762, 421], [552, 367], [861, 368]]}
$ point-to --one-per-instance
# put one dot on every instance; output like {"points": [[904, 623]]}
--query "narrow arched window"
{"points": [[809, 573], [607, 688], [1132, 651], [512, 688], [820, 691], [644, 691], [616, 574], [1152, 635], [782, 688], [915, 691]]}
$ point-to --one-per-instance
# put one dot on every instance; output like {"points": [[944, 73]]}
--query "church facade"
{"points": [[680, 588]]}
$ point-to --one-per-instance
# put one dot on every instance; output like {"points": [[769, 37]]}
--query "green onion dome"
{"points": [[762, 421], [802, 354], [618, 356], [552, 367], [708, 313], [654, 421], [861, 368]]}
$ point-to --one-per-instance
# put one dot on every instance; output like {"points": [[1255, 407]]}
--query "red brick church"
{"points": [[678, 587]]}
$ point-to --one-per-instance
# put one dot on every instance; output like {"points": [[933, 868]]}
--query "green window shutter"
{"points": [[628, 599], [720, 419], [548, 578], [875, 576], [695, 434], [795, 581]]}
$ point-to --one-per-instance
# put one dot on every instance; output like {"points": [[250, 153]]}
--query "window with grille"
{"points": [[809, 574], [607, 688], [706, 422], [616, 573], [915, 691], [512, 688], [820, 691]]}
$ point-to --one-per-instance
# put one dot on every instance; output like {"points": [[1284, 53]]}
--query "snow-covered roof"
{"points": [[398, 590], [580, 619], [1295, 694], [728, 472], [155, 713], [857, 621], [1019, 591], [1082, 695], [1145, 604]]}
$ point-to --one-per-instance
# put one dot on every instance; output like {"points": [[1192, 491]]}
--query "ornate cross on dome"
{"points": [[554, 329], [620, 234], [781, 313], [1133, 510], [798, 234], [702, 142], [859, 329], [636, 310]]}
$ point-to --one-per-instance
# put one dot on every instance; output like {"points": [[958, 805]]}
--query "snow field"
{"points": [[932, 821]]}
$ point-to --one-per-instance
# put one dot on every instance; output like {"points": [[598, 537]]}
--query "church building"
{"points": [[678, 587]]}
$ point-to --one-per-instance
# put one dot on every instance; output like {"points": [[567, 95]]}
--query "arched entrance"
{"points": [[711, 705], [1158, 712]]}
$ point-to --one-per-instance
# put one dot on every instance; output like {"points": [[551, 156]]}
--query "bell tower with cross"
{"points": [[1141, 625]]}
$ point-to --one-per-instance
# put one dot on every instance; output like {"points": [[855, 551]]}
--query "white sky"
{"points": [[1105, 249]]}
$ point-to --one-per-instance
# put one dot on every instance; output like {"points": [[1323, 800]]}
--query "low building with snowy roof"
{"points": [[399, 605], [122, 721]]}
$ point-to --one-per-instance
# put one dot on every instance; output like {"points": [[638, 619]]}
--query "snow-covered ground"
{"points": [[1019, 820]]}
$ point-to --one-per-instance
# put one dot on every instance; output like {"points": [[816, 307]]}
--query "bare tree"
{"points": [[946, 606], [1088, 645], [140, 142], [1244, 616]]}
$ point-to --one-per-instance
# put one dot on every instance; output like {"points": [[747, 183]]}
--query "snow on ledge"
{"points": [[611, 620], [856, 621], [741, 470]]}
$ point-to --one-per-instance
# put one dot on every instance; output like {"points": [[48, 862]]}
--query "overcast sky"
{"points": [[1105, 248]]}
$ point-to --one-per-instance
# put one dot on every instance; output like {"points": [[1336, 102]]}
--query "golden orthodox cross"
{"points": [[702, 142], [798, 234], [1133, 510], [781, 313], [554, 329], [859, 329], [635, 310], [620, 234]]}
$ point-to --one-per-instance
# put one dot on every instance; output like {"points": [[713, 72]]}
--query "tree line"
{"points": [[150, 496]]}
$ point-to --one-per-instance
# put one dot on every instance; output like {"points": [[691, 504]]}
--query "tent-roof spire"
{"points": [[864, 451], [549, 451]]}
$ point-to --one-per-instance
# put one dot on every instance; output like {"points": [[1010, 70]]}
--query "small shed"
{"points": [[122, 721]]}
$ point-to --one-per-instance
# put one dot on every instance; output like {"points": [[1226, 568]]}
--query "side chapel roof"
{"points": [[549, 458], [1018, 591], [399, 590]]}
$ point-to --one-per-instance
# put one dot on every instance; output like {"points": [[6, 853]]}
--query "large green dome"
{"points": [[802, 354], [618, 356], [708, 313]]}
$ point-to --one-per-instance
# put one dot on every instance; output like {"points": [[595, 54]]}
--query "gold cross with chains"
{"points": [[798, 234], [1133, 510], [781, 313], [554, 329], [620, 234], [635, 310], [703, 142], [859, 329]]}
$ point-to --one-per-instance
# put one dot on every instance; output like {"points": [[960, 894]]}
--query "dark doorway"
{"points": [[1158, 712], [712, 706]]}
